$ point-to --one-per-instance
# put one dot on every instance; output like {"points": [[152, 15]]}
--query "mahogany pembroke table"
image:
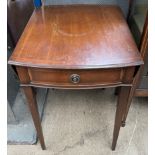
{"points": [[77, 47]]}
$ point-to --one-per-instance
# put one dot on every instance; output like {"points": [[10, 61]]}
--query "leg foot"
{"points": [[123, 124]]}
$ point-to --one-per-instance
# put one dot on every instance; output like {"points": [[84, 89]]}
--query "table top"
{"points": [[76, 36]]}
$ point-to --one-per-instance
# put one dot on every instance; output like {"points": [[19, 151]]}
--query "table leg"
{"points": [[130, 97], [29, 93], [121, 109]]}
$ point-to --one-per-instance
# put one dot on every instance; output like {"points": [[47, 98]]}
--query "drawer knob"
{"points": [[75, 78]]}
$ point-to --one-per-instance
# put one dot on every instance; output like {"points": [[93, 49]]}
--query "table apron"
{"points": [[75, 79]]}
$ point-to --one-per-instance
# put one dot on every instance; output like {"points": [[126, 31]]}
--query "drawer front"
{"points": [[95, 77]]}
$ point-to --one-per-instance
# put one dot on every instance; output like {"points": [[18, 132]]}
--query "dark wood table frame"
{"points": [[61, 50]]}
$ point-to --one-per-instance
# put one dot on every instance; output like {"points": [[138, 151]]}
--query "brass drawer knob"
{"points": [[75, 78]]}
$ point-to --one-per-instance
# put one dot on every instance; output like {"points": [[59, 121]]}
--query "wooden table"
{"points": [[77, 47]]}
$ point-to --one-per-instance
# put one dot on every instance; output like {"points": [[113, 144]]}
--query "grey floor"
{"points": [[81, 123], [22, 131]]}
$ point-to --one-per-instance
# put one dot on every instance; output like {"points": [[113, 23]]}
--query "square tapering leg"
{"points": [[29, 93], [121, 107]]}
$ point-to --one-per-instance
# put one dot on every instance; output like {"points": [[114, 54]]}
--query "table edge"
{"points": [[22, 64]]}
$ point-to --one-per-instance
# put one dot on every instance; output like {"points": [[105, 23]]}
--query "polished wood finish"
{"points": [[121, 107], [77, 47], [63, 77], [144, 39], [35, 114], [18, 14], [59, 35], [143, 50]]}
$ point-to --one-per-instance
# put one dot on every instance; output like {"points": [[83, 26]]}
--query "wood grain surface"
{"points": [[76, 36]]}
